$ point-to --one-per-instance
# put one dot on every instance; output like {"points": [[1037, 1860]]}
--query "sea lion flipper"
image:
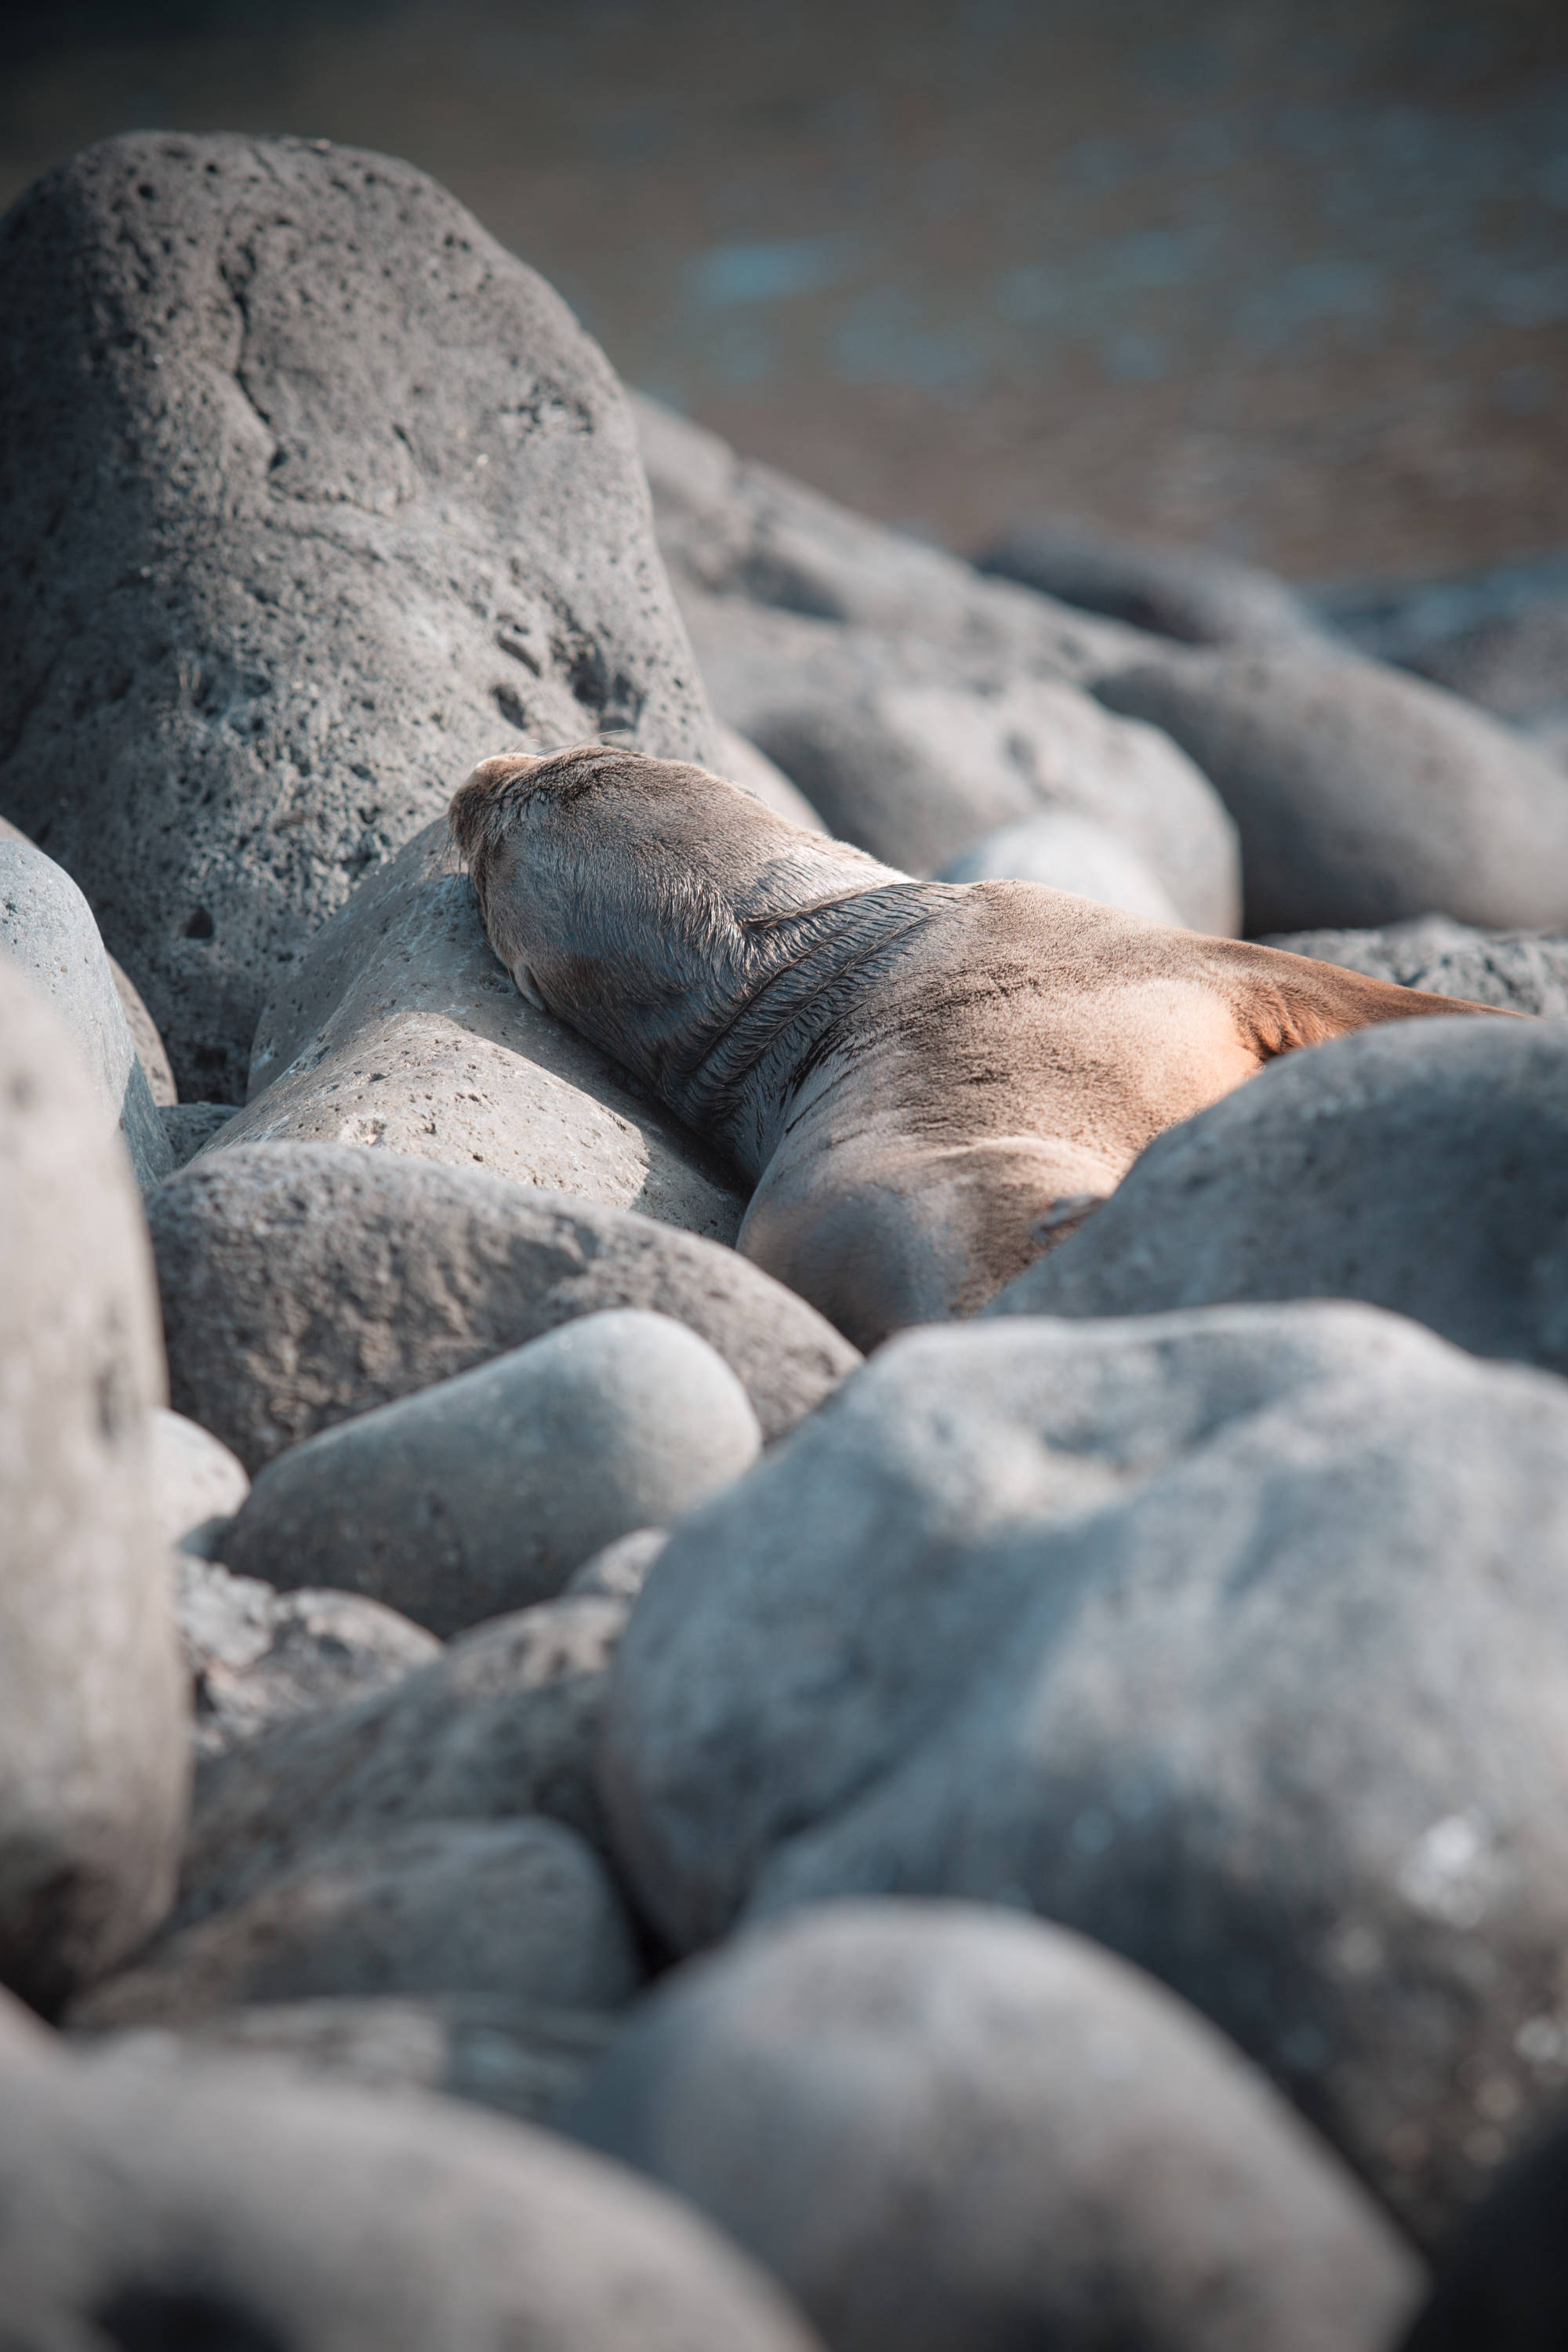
{"points": [[1284, 1002]]}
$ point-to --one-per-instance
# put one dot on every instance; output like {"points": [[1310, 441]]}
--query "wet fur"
{"points": [[927, 1083]]}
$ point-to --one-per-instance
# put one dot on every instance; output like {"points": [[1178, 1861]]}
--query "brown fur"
{"points": [[927, 1083]]}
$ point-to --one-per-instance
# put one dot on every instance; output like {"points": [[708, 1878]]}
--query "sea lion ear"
{"points": [[477, 797]]}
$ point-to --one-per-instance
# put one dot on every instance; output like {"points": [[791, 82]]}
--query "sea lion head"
{"points": [[632, 897]]}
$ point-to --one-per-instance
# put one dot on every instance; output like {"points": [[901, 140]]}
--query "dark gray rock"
{"points": [[303, 1284], [93, 1716], [196, 1481], [312, 494], [1362, 796], [398, 1030], [621, 1569], [968, 2115], [259, 1657], [505, 1721], [149, 2199], [499, 2052], [1522, 972], [1237, 1640], [1188, 592], [483, 1493], [1066, 852], [1501, 2285], [1422, 1166], [191, 1126], [521, 1907], [48, 930]]}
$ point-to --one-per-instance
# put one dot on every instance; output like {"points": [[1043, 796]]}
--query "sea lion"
{"points": [[927, 1083]]}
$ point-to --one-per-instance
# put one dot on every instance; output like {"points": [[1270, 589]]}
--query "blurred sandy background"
{"points": [[1290, 277]]}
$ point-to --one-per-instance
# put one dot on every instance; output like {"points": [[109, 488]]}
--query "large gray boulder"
{"points": [[1068, 851], [399, 1030], [93, 1711], [1422, 1166], [46, 929], [1237, 1640], [1362, 796], [519, 1907], [303, 1284], [504, 1722], [1520, 971], [484, 1493], [921, 2116], [1192, 593], [148, 2199], [311, 494]]}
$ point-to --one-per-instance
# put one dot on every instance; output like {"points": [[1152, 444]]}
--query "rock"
{"points": [[92, 1717], [1420, 1166], [744, 765], [1498, 636], [621, 1569], [970, 2115], [1237, 1640], [1188, 592], [303, 1284], [1501, 2283], [259, 1657], [1522, 972], [1066, 852], [521, 1907], [401, 1031], [499, 2051], [347, 494], [196, 1481], [504, 1722], [1362, 796], [483, 1493], [149, 2199], [46, 928], [191, 1126]]}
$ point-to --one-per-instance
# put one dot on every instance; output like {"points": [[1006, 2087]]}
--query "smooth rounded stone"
{"points": [[522, 1907], [191, 1126], [621, 1569], [1502, 2285], [342, 483], [1362, 796], [1188, 592], [921, 2116], [399, 1030], [744, 764], [1420, 1167], [46, 929], [1498, 636], [151, 2199], [1066, 852], [195, 1479], [1522, 972], [259, 1657], [303, 1284], [1237, 1640], [94, 1770], [483, 1493], [915, 774], [515, 2055], [505, 1721]]}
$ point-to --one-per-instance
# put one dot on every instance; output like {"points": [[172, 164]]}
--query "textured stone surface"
{"points": [[258, 1656], [1066, 852], [147, 2198], [1523, 971], [399, 1030], [196, 1478], [483, 1493], [189, 1126], [304, 1284], [971, 2114], [506, 1721], [1188, 592], [46, 929], [1362, 796], [519, 1907], [312, 492], [1237, 1640], [621, 1569], [92, 1716], [1423, 1166]]}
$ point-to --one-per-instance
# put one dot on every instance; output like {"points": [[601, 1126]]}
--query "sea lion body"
{"points": [[928, 1083]]}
